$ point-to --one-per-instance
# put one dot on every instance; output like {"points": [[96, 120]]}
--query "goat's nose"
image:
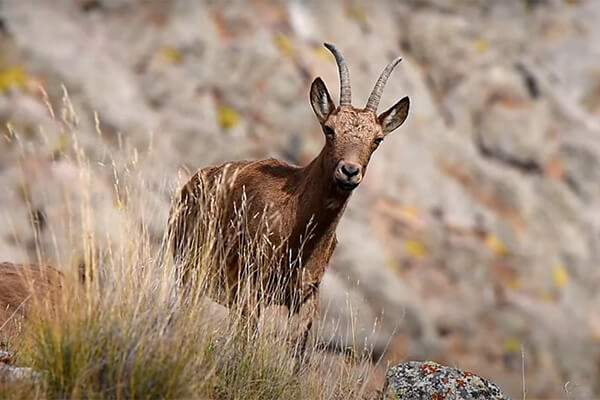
{"points": [[350, 170]]}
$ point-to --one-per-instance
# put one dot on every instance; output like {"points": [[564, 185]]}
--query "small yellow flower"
{"points": [[410, 211], [284, 44], [515, 283], [560, 276], [228, 117], [415, 248], [13, 78], [171, 54], [322, 52], [495, 244], [512, 345], [480, 45]]}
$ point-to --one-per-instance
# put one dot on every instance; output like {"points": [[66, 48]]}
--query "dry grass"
{"points": [[129, 330]]}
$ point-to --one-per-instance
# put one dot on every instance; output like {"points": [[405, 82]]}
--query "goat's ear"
{"points": [[394, 116], [320, 100]]}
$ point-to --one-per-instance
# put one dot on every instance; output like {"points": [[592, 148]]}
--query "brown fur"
{"points": [[293, 197], [21, 285]]}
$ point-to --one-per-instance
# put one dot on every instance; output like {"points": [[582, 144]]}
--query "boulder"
{"points": [[10, 374], [416, 380]]}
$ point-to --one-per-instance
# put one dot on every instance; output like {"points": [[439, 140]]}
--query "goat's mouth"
{"points": [[345, 185]]}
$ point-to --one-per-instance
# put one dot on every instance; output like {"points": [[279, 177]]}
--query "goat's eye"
{"points": [[378, 141], [328, 131]]}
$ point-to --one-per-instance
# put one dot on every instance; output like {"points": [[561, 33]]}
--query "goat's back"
{"points": [[21, 284], [267, 186]]}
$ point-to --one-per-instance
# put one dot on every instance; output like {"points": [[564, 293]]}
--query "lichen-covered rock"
{"points": [[417, 380]]}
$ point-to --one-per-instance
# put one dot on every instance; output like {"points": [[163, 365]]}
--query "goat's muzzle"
{"points": [[347, 175]]}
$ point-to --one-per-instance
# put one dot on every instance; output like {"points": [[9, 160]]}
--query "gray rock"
{"points": [[10, 374], [427, 380]]}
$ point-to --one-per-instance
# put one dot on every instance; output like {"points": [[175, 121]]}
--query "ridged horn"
{"points": [[345, 91], [375, 96]]}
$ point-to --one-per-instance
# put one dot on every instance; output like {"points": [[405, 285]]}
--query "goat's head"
{"points": [[353, 134]]}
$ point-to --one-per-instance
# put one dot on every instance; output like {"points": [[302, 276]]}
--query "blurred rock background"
{"points": [[474, 240]]}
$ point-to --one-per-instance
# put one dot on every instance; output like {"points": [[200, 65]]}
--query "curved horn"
{"points": [[345, 91], [375, 96]]}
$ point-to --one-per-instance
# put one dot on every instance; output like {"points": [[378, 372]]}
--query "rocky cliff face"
{"points": [[473, 240]]}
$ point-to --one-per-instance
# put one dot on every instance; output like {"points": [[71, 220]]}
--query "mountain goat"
{"points": [[290, 198]]}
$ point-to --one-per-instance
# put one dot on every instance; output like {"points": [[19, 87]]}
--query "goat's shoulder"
{"points": [[271, 179], [263, 175], [273, 169]]}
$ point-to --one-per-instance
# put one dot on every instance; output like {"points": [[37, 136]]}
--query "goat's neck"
{"points": [[320, 200]]}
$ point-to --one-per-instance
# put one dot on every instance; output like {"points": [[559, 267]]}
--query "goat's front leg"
{"points": [[248, 316], [306, 314]]}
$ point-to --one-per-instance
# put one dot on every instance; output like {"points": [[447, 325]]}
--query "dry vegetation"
{"points": [[122, 327]]}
